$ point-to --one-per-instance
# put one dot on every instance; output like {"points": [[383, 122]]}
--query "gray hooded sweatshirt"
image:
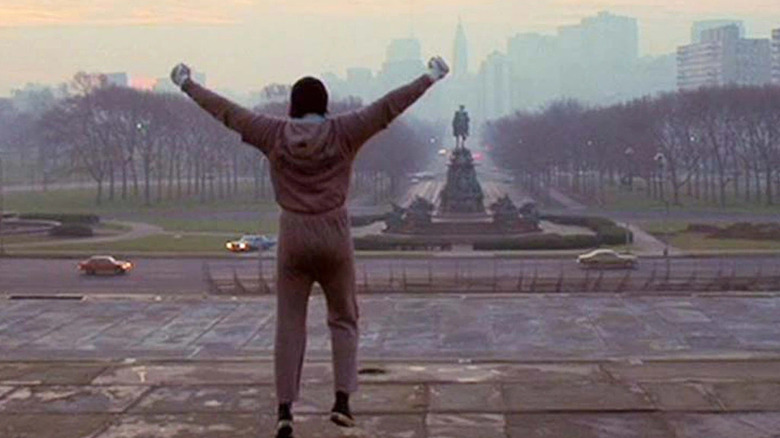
{"points": [[311, 161]]}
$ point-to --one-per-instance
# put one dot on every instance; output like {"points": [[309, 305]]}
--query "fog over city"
{"points": [[483, 218], [243, 45]]}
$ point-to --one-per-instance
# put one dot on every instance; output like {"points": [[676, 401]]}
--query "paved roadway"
{"points": [[185, 276]]}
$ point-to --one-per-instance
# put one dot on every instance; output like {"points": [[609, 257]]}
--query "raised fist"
{"points": [[180, 74], [437, 68]]}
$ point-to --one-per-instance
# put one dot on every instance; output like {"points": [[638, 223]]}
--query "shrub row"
{"points": [[385, 243], [366, 219], [607, 231], [72, 230], [65, 218], [538, 241]]}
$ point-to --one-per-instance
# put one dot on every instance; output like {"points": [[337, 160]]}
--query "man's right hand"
{"points": [[437, 68], [180, 74]]}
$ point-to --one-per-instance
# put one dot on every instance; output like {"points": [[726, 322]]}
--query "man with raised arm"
{"points": [[311, 155]]}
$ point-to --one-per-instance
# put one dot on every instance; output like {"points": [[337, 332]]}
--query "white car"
{"points": [[607, 258]]}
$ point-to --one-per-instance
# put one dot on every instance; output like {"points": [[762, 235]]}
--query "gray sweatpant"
{"points": [[315, 248]]}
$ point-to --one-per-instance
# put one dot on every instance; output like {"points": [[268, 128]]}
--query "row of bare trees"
{"points": [[159, 147], [718, 145]]}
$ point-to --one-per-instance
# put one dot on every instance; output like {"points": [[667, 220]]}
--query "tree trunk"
{"points": [[111, 181], [99, 194], [124, 179]]}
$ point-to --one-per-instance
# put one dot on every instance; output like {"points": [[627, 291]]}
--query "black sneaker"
{"points": [[284, 429], [343, 419]]}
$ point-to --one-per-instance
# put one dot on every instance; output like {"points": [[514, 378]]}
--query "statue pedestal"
{"points": [[462, 193]]}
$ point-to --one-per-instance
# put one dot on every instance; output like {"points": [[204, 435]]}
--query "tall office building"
{"points": [[700, 26], [494, 86], [723, 57], [402, 63], [597, 56], [776, 56], [117, 79], [460, 56], [534, 68]]}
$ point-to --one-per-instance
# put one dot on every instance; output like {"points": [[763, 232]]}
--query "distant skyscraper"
{"points": [[534, 68], [117, 79], [494, 83], [403, 63], [597, 56], [776, 56], [724, 58], [460, 56], [700, 26]]}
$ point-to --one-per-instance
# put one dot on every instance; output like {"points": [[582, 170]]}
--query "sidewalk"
{"points": [[432, 366], [411, 400]]}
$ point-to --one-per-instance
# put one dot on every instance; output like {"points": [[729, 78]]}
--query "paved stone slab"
{"points": [[574, 396], [188, 326], [588, 426], [743, 396], [370, 399], [239, 326], [197, 373], [368, 426], [191, 399], [480, 397], [544, 327], [700, 371], [52, 425], [5, 390], [222, 425], [681, 396], [52, 317], [134, 328], [751, 425], [70, 399], [89, 325], [466, 425], [49, 374]]}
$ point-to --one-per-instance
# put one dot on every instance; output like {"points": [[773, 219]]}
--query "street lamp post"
{"points": [[2, 210], [629, 153], [660, 160]]}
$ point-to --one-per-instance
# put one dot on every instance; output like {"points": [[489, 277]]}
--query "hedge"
{"points": [[72, 230], [65, 218], [538, 241], [366, 219], [607, 231], [386, 243]]}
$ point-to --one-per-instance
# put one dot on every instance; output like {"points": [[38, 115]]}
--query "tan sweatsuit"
{"points": [[311, 165]]}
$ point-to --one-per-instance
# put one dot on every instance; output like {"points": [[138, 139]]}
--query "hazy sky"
{"points": [[244, 44]]}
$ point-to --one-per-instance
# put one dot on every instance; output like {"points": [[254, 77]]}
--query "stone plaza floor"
{"points": [[431, 366]]}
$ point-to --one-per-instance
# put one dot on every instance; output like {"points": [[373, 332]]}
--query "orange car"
{"points": [[104, 265]]}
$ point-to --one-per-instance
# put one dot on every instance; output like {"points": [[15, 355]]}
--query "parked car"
{"points": [[250, 242], [104, 264], [607, 258]]}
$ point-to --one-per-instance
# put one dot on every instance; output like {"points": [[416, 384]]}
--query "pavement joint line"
{"points": [[113, 363], [473, 294]]}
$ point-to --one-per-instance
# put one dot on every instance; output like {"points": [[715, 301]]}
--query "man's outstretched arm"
{"points": [[254, 128], [361, 125]]}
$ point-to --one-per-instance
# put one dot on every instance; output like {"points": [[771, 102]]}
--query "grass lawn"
{"points": [[623, 200], [259, 226], [83, 201], [187, 243], [670, 226], [699, 241], [184, 215]]}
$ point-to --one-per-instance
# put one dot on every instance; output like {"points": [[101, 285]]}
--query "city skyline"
{"points": [[226, 42]]}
